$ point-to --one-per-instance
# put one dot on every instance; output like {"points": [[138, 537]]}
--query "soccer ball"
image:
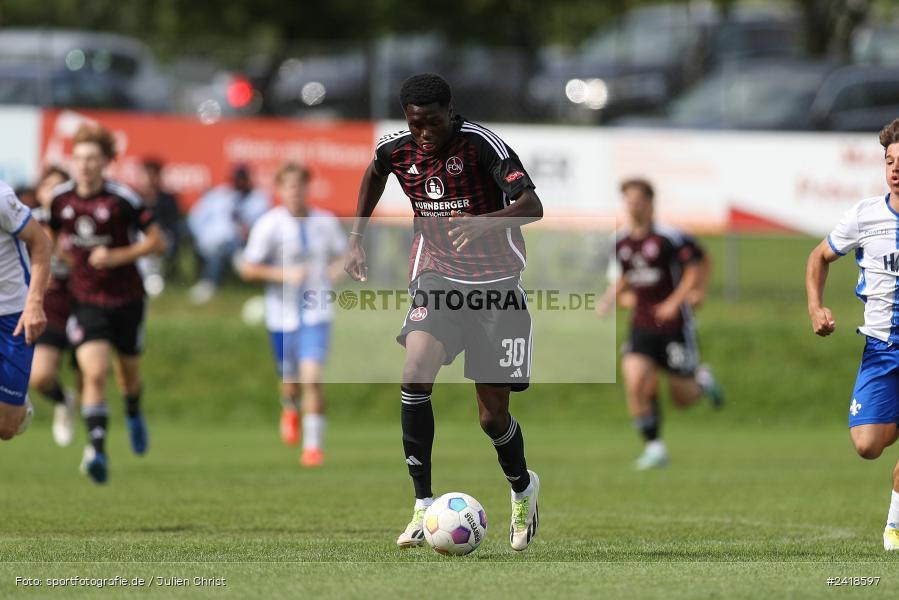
{"points": [[455, 524]]}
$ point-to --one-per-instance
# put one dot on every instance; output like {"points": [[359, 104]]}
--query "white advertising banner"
{"points": [[763, 181], [21, 127]]}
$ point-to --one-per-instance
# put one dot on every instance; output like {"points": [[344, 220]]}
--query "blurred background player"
{"points": [[297, 251], [23, 283], [164, 206], [661, 273], [102, 218], [51, 345], [870, 229], [220, 223], [469, 168], [27, 195]]}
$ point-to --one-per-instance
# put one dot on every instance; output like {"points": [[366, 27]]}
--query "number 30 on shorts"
{"points": [[514, 348]]}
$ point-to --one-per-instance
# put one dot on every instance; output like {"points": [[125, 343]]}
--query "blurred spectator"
{"points": [[220, 222], [27, 195], [164, 206], [51, 177]]}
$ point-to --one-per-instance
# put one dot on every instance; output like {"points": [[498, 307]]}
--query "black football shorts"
{"points": [[123, 326], [488, 321], [676, 352]]}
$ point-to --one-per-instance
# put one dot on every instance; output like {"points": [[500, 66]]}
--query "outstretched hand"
{"points": [[465, 228], [355, 265]]}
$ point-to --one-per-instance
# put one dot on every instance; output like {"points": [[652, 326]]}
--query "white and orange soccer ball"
{"points": [[455, 524]]}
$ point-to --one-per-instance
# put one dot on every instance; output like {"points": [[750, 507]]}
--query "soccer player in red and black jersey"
{"points": [[661, 274], [452, 169], [102, 219], [50, 346]]}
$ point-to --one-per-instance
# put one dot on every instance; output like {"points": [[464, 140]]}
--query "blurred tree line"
{"points": [[265, 25]]}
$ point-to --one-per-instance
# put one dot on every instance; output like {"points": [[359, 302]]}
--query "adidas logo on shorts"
{"points": [[517, 373]]}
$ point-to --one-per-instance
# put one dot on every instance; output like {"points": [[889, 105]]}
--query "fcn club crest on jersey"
{"points": [[454, 165], [418, 313]]}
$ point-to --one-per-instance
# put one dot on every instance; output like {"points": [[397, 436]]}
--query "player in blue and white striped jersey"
{"points": [[24, 272], [870, 230], [298, 252]]}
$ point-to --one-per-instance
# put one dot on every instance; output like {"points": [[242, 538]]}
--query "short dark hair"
{"points": [[51, 170], [153, 164], [23, 190], [641, 184], [425, 88], [889, 134]]}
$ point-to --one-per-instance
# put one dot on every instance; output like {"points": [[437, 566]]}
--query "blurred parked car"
{"points": [[54, 68], [877, 44], [653, 54], [364, 84], [786, 95]]}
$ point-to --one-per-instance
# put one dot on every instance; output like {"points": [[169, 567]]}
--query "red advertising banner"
{"points": [[197, 157]]}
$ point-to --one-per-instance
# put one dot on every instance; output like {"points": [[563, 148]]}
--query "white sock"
{"points": [[423, 502], [893, 515], [313, 431], [526, 492], [656, 447]]}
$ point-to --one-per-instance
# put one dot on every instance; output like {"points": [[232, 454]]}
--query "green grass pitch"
{"points": [[765, 499]]}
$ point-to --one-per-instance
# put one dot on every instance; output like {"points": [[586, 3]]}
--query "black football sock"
{"points": [[510, 453], [96, 418], [132, 404], [417, 417], [55, 393], [650, 425]]}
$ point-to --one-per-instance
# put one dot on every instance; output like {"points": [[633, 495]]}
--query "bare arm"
{"points": [[33, 320], [369, 194], [153, 242], [526, 208], [257, 272], [669, 308], [697, 294], [614, 293], [816, 271]]}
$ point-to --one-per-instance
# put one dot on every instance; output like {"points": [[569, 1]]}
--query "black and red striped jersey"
{"points": [[652, 266], [112, 217], [475, 172]]}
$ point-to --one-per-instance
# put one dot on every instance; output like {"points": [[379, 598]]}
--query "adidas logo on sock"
{"points": [[413, 462], [413, 170], [516, 373]]}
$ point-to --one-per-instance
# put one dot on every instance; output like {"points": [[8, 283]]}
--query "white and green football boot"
{"points": [[655, 456], [891, 538], [525, 516], [710, 387], [414, 534]]}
